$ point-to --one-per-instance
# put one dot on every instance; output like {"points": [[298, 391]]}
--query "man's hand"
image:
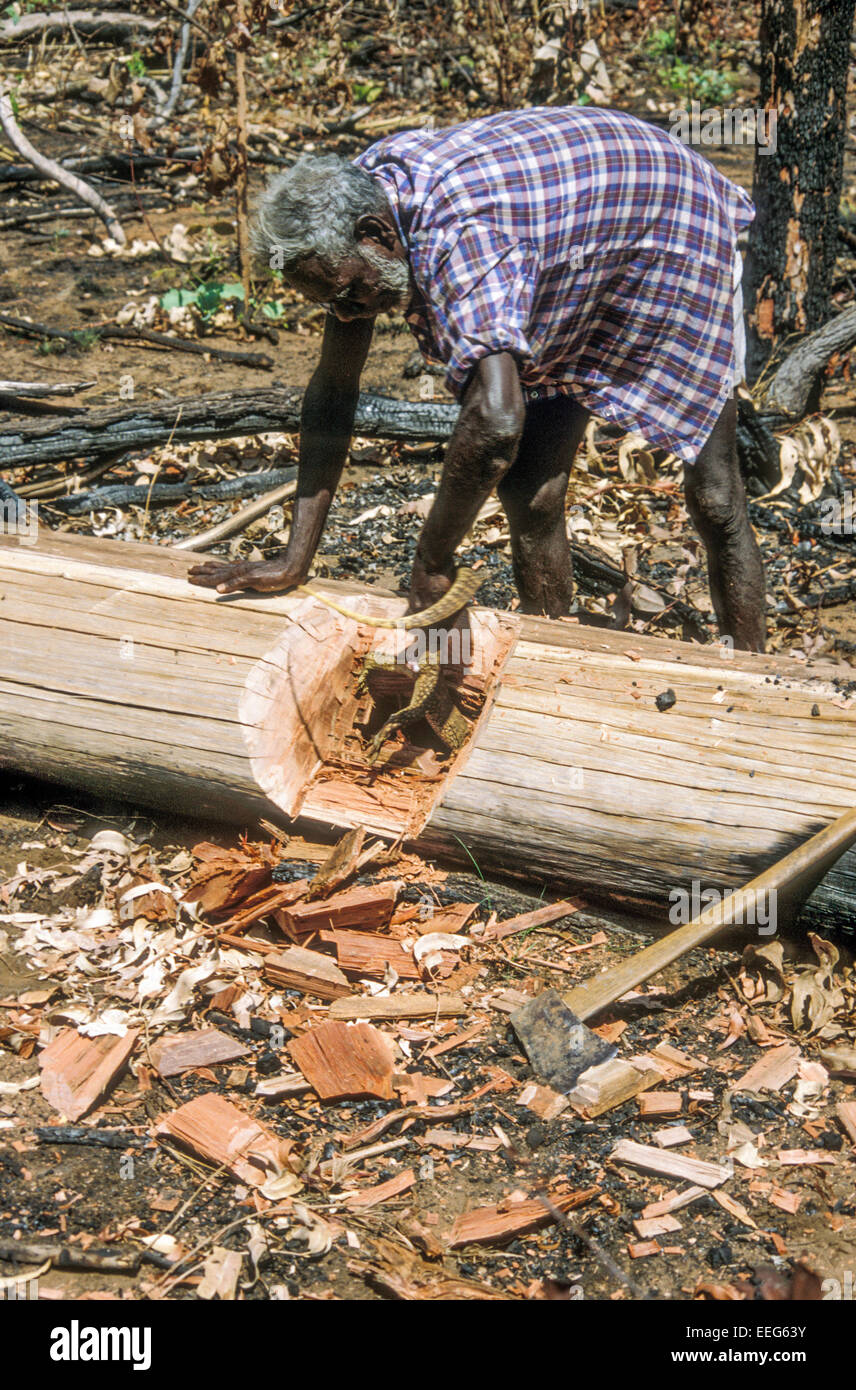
{"points": [[426, 588], [266, 576]]}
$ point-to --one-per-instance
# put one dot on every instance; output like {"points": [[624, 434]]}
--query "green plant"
{"points": [[137, 65], [206, 298], [704, 84], [367, 92], [661, 41], [82, 339]]}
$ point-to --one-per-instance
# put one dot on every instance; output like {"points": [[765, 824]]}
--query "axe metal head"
{"points": [[557, 1043]]}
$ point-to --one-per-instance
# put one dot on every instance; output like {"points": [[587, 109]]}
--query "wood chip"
{"points": [[804, 1157], [786, 1201], [541, 916], [670, 1062], [660, 1103], [278, 1087], [507, 1000], [415, 1088], [846, 1112], [650, 1226], [457, 1041], [345, 1061], [223, 1134], [506, 1220], [772, 1071], [639, 1250], [673, 1201], [542, 1101], [373, 1196], [265, 903], [611, 1032], [368, 907], [207, 1047], [446, 1139], [339, 864], [669, 1165], [735, 1209], [400, 1006], [670, 1136], [450, 920], [309, 971], [78, 1072], [364, 954], [603, 1087]]}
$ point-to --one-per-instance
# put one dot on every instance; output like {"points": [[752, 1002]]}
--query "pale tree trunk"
{"points": [[798, 174]]}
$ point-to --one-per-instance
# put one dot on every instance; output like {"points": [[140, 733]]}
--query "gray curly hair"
{"points": [[312, 209]]}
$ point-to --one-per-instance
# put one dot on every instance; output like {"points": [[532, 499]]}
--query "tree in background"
{"points": [[805, 53]]}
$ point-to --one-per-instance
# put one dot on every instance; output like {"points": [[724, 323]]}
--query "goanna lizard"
{"points": [[431, 698]]}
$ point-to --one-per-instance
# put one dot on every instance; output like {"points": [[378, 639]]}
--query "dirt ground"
{"points": [[103, 1199]]}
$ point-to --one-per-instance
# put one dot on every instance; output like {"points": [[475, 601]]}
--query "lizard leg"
{"points": [[431, 699]]}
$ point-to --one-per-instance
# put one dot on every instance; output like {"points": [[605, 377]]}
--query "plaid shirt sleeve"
{"points": [[482, 290]]}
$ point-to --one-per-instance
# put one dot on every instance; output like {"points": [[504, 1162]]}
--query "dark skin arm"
{"points": [[480, 452], [326, 424]]}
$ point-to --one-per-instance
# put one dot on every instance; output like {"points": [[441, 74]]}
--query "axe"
{"points": [[552, 1027]]}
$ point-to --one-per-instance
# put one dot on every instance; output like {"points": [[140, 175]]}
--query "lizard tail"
{"points": [[465, 587]]}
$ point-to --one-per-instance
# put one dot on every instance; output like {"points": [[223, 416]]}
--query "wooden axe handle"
{"points": [[808, 862]]}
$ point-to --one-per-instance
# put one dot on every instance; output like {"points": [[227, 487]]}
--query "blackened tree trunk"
{"points": [[798, 172], [687, 15]]}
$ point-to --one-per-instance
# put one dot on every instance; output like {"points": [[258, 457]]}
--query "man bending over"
{"points": [[561, 263]]}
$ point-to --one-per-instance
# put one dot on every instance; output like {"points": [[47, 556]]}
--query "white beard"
{"points": [[393, 275]]}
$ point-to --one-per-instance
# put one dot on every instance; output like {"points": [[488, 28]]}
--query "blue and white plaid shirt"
{"points": [[595, 248]]}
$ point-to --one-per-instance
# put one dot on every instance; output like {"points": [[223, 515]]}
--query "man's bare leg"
{"points": [[533, 494], [716, 500]]}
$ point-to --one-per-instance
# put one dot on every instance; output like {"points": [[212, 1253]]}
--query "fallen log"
{"points": [[231, 415], [227, 415], [119, 677], [170, 494]]}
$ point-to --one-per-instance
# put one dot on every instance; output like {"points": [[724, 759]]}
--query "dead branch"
{"points": [[52, 170], [790, 388], [44, 388], [169, 494], [178, 69], [106, 25], [145, 336], [240, 520]]}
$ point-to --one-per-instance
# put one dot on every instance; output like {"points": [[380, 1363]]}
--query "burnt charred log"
{"points": [[798, 175]]}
